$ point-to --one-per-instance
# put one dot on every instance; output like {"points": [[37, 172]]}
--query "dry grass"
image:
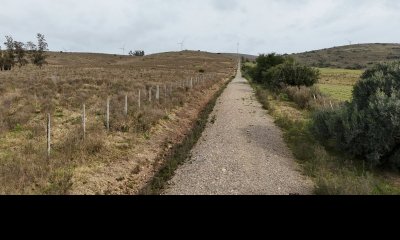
{"points": [[28, 94]]}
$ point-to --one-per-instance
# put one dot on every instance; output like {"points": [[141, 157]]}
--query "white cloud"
{"points": [[211, 25]]}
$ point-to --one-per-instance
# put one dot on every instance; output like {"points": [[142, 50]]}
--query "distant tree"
{"points": [[30, 46], [1, 59], [20, 53], [264, 63], [9, 55], [38, 56], [137, 53]]}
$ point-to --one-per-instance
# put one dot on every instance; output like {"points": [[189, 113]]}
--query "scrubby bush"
{"points": [[38, 56], [369, 126], [9, 55], [302, 96], [276, 72], [264, 63], [291, 73]]}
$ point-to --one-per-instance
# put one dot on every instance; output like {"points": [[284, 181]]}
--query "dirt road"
{"points": [[241, 152]]}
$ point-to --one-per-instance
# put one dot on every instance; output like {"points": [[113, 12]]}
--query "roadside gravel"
{"points": [[241, 152]]}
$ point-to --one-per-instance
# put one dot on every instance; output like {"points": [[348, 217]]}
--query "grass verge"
{"points": [[181, 152], [333, 173]]}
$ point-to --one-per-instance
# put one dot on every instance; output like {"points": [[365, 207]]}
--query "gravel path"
{"points": [[241, 152]]}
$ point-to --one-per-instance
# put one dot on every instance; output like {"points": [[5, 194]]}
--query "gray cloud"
{"points": [[210, 25]]}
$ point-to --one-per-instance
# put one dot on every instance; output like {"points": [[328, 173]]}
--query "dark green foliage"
{"points": [[276, 72], [292, 74], [137, 53], [369, 126], [20, 53], [265, 63], [16, 52], [9, 55], [38, 56]]}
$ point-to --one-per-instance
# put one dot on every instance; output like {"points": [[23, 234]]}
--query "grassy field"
{"points": [[70, 80], [338, 83], [357, 56]]}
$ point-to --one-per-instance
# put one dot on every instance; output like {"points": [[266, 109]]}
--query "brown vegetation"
{"points": [[71, 80], [358, 56]]}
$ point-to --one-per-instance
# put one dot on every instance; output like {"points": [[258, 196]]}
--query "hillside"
{"points": [[357, 56]]}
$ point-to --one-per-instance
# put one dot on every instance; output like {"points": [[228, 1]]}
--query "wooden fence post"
{"points": [[126, 105], [84, 121], [158, 93], [139, 99], [150, 95], [48, 135], [108, 113]]}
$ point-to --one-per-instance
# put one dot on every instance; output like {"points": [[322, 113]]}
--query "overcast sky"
{"points": [[261, 26]]}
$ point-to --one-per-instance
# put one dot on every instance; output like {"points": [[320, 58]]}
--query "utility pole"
{"points": [[238, 44], [181, 44], [123, 50]]}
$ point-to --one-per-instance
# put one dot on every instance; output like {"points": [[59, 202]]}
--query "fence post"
{"points": [[139, 99], [191, 83], [331, 104], [150, 95], [165, 91], [48, 135], [108, 113], [158, 93], [126, 105], [84, 121]]}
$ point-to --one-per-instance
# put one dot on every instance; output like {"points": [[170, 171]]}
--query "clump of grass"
{"points": [[213, 119], [262, 96]]}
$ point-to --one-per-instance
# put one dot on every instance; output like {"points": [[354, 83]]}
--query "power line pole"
{"points": [[238, 44]]}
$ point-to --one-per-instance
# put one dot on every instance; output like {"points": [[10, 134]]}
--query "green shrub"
{"points": [[264, 63], [369, 126], [291, 73]]}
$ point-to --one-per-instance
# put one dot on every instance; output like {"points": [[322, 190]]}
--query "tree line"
{"points": [[137, 53], [18, 53]]}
